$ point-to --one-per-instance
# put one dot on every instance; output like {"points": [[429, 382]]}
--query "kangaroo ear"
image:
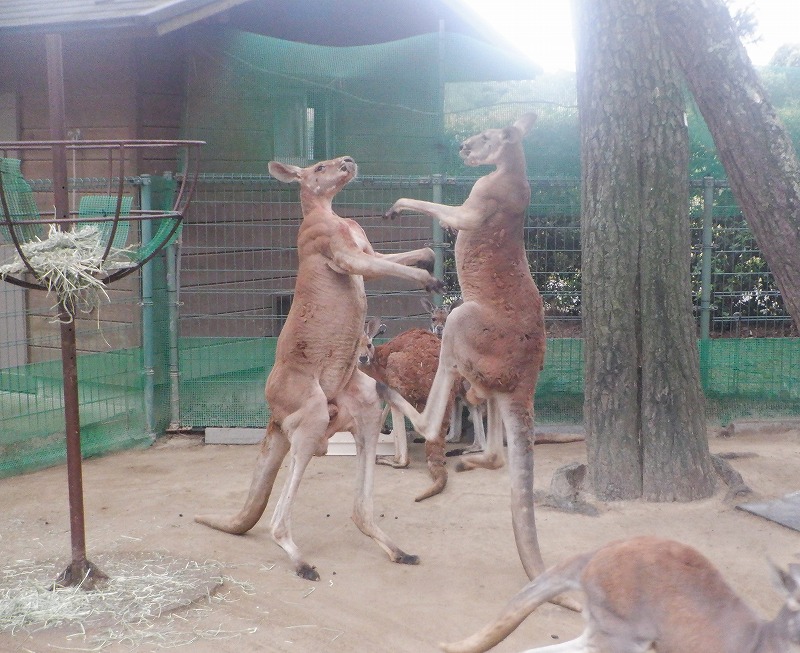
{"points": [[525, 123], [373, 327], [284, 172]]}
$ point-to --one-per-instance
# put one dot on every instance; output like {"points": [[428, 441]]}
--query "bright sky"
{"points": [[543, 28]]}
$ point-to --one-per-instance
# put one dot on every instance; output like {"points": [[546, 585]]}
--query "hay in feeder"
{"points": [[68, 264], [149, 599]]}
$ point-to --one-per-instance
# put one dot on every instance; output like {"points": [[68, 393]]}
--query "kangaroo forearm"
{"points": [[462, 217]]}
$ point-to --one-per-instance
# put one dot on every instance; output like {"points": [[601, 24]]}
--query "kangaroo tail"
{"points": [[274, 448], [434, 453], [541, 589]]}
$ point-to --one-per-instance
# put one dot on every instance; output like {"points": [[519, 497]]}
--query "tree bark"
{"points": [[753, 145], [644, 413]]}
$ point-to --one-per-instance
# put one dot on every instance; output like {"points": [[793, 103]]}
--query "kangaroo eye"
{"points": [[319, 168]]}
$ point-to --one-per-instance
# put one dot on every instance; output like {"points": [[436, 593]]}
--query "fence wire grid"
{"points": [[235, 279]]}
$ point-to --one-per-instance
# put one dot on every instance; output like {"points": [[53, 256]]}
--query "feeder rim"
{"points": [[86, 144]]}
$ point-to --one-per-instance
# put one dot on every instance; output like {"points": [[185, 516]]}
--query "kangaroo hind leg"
{"points": [[361, 399], [306, 429]]}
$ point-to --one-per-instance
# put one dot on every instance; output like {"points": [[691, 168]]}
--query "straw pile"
{"points": [[149, 599], [68, 263]]}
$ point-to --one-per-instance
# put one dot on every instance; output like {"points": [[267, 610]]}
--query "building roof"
{"points": [[154, 17], [321, 22]]}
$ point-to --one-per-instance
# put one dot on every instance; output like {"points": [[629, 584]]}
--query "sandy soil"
{"points": [[139, 502]]}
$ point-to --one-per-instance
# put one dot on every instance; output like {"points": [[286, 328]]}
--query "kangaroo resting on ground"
{"points": [[496, 338], [314, 388], [648, 592]]}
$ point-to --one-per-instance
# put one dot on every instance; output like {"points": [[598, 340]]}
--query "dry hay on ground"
{"points": [[137, 605]]}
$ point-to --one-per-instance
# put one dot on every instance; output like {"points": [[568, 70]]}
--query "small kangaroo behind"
{"points": [[407, 363], [649, 592]]}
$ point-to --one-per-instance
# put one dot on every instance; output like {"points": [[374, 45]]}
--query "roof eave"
{"points": [[158, 21]]}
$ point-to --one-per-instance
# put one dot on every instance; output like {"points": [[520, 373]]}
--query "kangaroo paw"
{"points": [[308, 572]]}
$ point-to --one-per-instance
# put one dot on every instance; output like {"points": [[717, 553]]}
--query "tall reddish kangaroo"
{"points": [[648, 592], [496, 338], [314, 388]]}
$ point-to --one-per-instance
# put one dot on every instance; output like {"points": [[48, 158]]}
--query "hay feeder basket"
{"points": [[94, 236]]}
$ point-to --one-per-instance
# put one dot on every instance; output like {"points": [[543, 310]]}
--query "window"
{"points": [[301, 129]]}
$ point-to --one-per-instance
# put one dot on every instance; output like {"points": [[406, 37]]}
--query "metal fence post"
{"points": [[173, 308], [148, 328], [438, 178], [705, 279], [708, 247], [438, 234]]}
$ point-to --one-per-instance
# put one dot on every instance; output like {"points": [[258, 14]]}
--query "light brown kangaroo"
{"points": [[314, 388], [649, 592], [496, 338]]}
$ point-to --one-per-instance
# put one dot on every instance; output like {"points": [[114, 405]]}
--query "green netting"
{"points": [[103, 206], [254, 98], [223, 380], [167, 233], [18, 198], [32, 409], [751, 377]]}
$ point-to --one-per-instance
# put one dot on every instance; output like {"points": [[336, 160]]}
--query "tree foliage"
{"points": [[553, 150], [787, 55], [553, 153]]}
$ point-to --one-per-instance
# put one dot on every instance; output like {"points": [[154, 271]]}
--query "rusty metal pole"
{"points": [[81, 571]]}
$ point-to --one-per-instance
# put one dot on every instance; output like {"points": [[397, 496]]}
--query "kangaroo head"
{"points": [[323, 179], [439, 314], [366, 350], [489, 147]]}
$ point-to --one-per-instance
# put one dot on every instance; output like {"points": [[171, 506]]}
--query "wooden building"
{"points": [[226, 71]]}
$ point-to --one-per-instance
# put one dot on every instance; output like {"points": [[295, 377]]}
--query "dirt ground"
{"points": [[143, 501]]}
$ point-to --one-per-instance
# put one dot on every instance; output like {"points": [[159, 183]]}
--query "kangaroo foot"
{"points": [[406, 559], [483, 460], [391, 461], [308, 572]]}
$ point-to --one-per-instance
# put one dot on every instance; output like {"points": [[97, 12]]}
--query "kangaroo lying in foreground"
{"points": [[496, 338], [314, 388], [648, 592]]}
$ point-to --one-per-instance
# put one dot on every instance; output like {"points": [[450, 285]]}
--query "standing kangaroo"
{"points": [[648, 592], [314, 388], [496, 338]]}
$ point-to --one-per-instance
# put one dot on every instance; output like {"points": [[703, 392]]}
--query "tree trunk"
{"points": [[644, 413], [753, 145]]}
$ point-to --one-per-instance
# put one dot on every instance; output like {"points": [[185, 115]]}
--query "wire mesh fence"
{"points": [[236, 278], [238, 273]]}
